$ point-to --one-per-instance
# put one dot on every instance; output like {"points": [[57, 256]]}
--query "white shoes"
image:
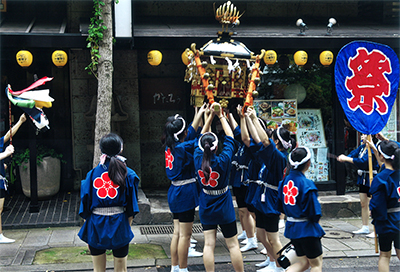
{"points": [[193, 241], [245, 241], [281, 223], [5, 240], [363, 230], [251, 244], [264, 251], [264, 263], [371, 235], [271, 268], [193, 253], [242, 236]]}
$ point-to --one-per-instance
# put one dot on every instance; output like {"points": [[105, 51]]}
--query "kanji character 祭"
{"points": [[369, 84]]}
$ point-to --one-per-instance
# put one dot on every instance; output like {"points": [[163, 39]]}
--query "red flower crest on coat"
{"points": [[169, 158], [212, 181], [290, 191], [398, 191], [105, 186]]}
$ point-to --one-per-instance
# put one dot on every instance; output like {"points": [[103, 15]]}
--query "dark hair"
{"points": [[206, 143], [111, 145], [297, 155], [390, 148], [173, 125], [285, 135]]}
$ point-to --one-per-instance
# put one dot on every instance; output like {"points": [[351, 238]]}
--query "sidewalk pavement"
{"points": [[339, 242]]}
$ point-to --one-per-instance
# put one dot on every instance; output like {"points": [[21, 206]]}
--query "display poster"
{"points": [[277, 112], [390, 130], [310, 133]]}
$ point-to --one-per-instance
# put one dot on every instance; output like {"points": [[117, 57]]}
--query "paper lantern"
{"points": [[186, 56], [300, 57], [59, 58], [326, 58], [24, 58], [270, 57], [154, 57]]}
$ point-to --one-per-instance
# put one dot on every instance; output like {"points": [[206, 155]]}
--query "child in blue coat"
{"points": [[298, 199]]}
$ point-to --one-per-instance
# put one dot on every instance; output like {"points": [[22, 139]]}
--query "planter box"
{"points": [[48, 178]]}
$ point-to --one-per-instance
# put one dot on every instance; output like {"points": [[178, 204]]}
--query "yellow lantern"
{"points": [[154, 57], [186, 56], [24, 58], [300, 57], [326, 58], [270, 57], [59, 58]]}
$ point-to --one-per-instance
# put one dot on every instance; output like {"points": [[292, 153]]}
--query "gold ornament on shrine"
{"points": [[326, 58], [222, 68], [24, 58], [59, 58], [300, 58]]}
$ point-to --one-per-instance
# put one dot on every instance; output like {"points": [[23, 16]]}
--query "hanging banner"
{"points": [[367, 79]]}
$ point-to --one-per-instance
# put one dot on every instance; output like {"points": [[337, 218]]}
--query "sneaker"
{"points": [[264, 263], [192, 245], [5, 240], [264, 251], [193, 253], [363, 230], [175, 268], [242, 236], [251, 244], [371, 235], [193, 241], [244, 242], [281, 223], [271, 268]]}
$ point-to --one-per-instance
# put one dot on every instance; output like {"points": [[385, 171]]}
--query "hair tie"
{"points": [[103, 158], [386, 156], [214, 144], [306, 158], [285, 144], [182, 129]]}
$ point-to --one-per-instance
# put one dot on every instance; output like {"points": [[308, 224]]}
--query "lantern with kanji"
{"points": [[223, 68], [24, 58], [300, 58], [270, 57], [326, 58], [59, 58], [154, 57]]}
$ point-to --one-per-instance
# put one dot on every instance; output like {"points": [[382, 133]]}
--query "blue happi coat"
{"points": [[179, 166], [360, 159], [385, 201], [216, 209], [275, 162], [107, 232], [298, 198]]}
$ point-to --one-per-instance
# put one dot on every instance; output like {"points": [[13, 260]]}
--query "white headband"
{"points": [[286, 145], [214, 144], [262, 123], [385, 155], [306, 158], [182, 129]]}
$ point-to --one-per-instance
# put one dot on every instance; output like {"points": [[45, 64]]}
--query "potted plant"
{"points": [[48, 171]]}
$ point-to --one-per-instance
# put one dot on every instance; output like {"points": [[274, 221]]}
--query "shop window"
{"points": [[300, 98]]}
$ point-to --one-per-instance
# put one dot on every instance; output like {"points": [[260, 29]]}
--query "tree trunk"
{"points": [[105, 76]]}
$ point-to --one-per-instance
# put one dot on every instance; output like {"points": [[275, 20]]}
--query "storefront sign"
{"points": [[277, 112]]}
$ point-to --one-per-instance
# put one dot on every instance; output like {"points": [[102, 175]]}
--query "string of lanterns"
{"points": [[154, 57], [25, 58]]}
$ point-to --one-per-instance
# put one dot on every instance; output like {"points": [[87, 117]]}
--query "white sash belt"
{"points": [[108, 211], [183, 182], [215, 192], [393, 210], [292, 219]]}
